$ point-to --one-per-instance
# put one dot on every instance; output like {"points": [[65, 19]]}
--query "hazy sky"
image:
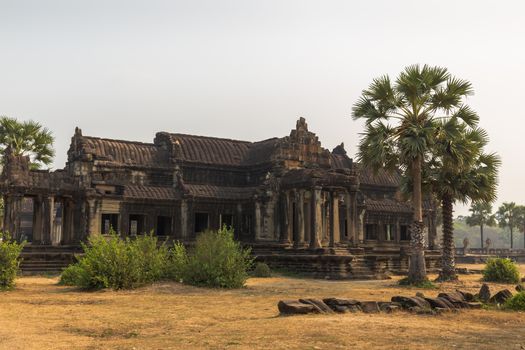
{"points": [[248, 69]]}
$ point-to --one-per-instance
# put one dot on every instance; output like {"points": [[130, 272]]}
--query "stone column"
{"points": [[38, 214], [331, 223], [307, 216], [316, 220], [12, 214], [48, 219], [299, 219], [184, 220], [336, 220]]}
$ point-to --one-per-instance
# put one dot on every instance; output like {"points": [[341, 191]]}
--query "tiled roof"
{"points": [[213, 150], [382, 177], [150, 192], [387, 205], [220, 192], [123, 152]]}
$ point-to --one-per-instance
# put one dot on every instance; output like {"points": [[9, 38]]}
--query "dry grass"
{"points": [[41, 315]]}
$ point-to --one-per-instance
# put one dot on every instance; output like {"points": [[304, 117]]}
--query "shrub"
{"points": [[178, 261], [9, 260], [72, 276], [262, 270], [517, 302], [501, 270], [112, 262], [217, 260]]}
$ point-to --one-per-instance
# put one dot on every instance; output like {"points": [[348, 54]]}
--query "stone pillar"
{"points": [[48, 219], [67, 221], [336, 220], [12, 214], [316, 219], [94, 217], [183, 232], [299, 219], [38, 215], [331, 223], [307, 216]]}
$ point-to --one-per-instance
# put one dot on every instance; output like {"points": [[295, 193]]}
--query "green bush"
{"points": [[517, 302], [218, 261], [113, 262], [9, 260], [262, 270], [178, 262], [501, 270]]}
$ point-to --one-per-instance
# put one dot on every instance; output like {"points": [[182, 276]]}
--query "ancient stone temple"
{"points": [[296, 203]]}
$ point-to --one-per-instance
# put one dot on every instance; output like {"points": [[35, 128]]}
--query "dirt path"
{"points": [[41, 315]]}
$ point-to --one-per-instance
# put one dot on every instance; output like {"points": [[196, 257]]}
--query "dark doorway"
{"points": [[163, 226], [109, 222], [136, 224], [227, 219], [201, 222]]}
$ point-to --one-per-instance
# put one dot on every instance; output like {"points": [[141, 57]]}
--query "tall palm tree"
{"points": [[506, 216], [520, 220], [27, 138], [400, 128], [481, 215], [461, 172]]}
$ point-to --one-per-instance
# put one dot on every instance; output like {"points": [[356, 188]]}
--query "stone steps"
{"points": [[47, 259]]}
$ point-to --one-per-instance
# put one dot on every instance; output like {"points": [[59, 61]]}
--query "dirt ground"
{"points": [[39, 314]]}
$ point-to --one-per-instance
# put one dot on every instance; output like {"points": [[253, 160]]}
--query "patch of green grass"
{"points": [[427, 284]]}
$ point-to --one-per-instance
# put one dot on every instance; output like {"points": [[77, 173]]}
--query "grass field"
{"points": [[39, 314]]}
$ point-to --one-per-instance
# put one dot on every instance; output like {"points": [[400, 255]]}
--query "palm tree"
{"points": [[460, 171], [520, 220], [400, 128], [481, 215], [27, 138], [506, 216]]}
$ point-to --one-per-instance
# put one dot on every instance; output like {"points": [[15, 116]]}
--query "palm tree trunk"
{"points": [[481, 231], [448, 266], [511, 237], [417, 270]]}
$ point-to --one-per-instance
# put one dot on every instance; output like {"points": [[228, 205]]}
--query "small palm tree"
{"points": [[520, 220], [460, 172], [400, 121], [481, 215], [506, 216], [27, 138]]}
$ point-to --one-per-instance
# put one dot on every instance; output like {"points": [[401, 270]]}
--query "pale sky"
{"points": [[248, 69]]}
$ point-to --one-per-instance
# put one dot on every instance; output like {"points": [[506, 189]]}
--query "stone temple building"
{"points": [[297, 204]]}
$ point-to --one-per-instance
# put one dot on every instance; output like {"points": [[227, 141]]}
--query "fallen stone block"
{"points": [[484, 293], [318, 303], [340, 301], [453, 297], [294, 307], [370, 307], [475, 305], [389, 307], [408, 302], [439, 303], [520, 288], [466, 295], [501, 297]]}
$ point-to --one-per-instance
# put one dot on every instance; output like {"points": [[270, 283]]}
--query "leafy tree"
{"points": [[27, 138], [400, 127], [481, 215], [506, 215], [460, 171], [520, 220]]}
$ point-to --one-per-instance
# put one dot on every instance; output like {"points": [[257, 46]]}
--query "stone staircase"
{"points": [[44, 259]]}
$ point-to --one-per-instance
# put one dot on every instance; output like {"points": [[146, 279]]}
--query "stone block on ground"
{"points": [[389, 307], [439, 303], [408, 302], [370, 307], [318, 303], [453, 297], [466, 295], [501, 297], [475, 305], [295, 307], [484, 293], [520, 288]]}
